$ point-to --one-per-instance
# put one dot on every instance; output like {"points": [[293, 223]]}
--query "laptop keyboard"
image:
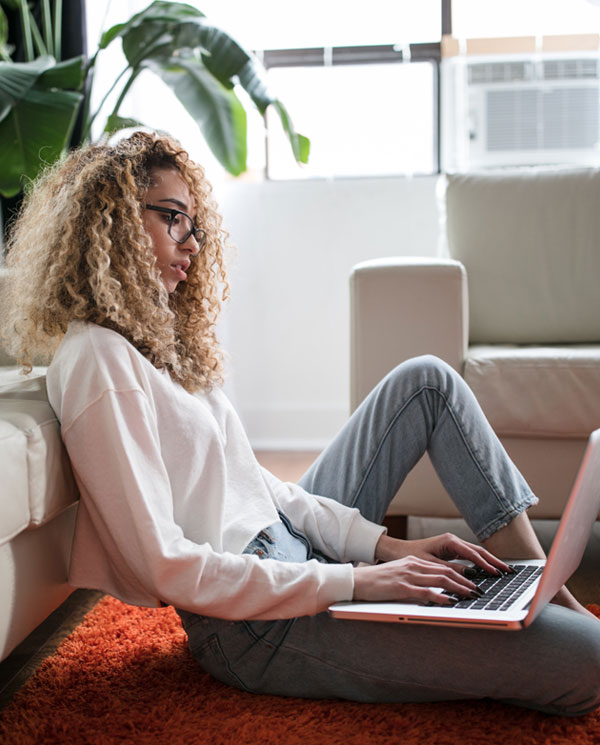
{"points": [[500, 592]]}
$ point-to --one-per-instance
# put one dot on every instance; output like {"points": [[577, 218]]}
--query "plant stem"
{"points": [[37, 38], [47, 26], [58, 6], [136, 71], [90, 119], [25, 18]]}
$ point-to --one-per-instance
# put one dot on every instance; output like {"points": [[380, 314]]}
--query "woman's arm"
{"points": [[409, 568], [335, 530], [128, 541]]}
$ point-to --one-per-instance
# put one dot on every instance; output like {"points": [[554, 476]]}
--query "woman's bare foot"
{"points": [[565, 598]]}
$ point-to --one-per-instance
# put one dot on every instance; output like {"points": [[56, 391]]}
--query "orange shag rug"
{"points": [[125, 676]]}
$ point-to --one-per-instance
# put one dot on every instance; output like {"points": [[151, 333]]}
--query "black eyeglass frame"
{"points": [[198, 233]]}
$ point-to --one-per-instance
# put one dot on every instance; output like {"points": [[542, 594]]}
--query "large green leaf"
{"points": [[300, 144], [221, 54], [17, 78], [149, 41], [161, 38], [254, 84], [161, 11], [216, 109], [36, 132], [37, 114], [68, 75]]}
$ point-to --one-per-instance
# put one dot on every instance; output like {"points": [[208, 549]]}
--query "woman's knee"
{"points": [[427, 371]]}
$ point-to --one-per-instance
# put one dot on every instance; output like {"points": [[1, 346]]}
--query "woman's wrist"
{"points": [[388, 548]]}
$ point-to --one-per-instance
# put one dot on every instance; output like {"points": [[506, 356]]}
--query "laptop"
{"points": [[512, 601]]}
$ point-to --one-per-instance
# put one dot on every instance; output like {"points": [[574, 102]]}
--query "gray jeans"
{"points": [[422, 405]]}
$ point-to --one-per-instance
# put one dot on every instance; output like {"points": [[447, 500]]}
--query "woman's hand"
{"points": [[411, 568], [439, 548]]}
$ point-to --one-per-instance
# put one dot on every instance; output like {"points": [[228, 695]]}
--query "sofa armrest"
{"points": [[402, 307]]}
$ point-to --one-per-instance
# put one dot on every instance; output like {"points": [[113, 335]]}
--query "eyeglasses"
{"points": [[181, 226]]}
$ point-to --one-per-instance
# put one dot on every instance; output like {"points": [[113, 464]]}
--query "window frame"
{"points": [[374, 54]]}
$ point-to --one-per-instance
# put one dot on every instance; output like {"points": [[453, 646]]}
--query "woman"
{"points": [[117, 270]]}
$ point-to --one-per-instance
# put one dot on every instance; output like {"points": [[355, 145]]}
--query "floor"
{"points": [[289, 466]]}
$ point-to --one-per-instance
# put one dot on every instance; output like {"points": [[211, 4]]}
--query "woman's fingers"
{"points": [[452, 547], [483, 558], [425, 595], [410, 578], [447, 578], [422, 573]]}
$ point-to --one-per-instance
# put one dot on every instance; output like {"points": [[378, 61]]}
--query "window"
{"points": [[365, 118], [361, 81]]}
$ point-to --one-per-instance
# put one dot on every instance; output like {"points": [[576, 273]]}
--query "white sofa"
{"points": [[513, 305], [38, 502]]}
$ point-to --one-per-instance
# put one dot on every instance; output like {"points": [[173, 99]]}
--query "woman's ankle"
{"points": [[566, 598]]}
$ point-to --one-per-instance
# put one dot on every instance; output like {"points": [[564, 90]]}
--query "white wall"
{"points": [[286, 327]]}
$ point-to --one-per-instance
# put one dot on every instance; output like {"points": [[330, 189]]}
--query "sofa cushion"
{"points": [[36, 474], [537, 391], [530, 242]]}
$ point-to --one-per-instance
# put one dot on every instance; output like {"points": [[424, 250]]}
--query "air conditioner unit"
{"points": [[509, 111]]}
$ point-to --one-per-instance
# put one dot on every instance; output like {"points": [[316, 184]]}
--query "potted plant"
{"points": [[41, 97]]}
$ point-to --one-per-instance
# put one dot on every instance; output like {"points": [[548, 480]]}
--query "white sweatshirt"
{"points": [[171, 494]]}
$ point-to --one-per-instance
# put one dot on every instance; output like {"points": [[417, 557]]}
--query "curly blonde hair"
{"points": [[79, 251]]}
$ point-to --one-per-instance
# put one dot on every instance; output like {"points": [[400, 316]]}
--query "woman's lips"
{"points": [[179, 270]]}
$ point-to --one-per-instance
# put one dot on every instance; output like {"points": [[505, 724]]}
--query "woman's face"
{"points": [[170, 192]]}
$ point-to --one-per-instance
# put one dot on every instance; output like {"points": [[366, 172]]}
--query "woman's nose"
{"points": [[191, 245]]}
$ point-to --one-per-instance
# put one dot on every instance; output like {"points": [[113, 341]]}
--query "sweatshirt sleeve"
{"points": [[127, 506], [335, 530]]}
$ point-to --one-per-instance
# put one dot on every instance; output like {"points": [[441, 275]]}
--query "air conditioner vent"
{"points": [[512, 120], [570, 69], [570, 117], [534, 119], [500, 72]]}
